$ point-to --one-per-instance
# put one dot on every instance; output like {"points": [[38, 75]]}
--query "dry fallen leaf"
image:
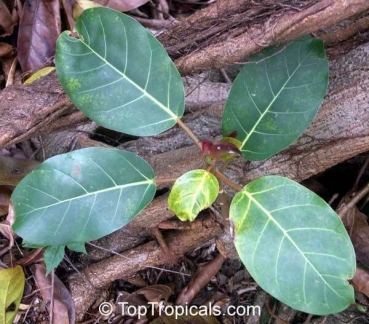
{"points": [[361, 281], [5, 192], [39, 29], [200, 280], [122, 5], [12, 170], [7, 57], [6, 50], [6, 231], [155, 293], [357, 226], [63, 302], [68, 5], [6, 20]]}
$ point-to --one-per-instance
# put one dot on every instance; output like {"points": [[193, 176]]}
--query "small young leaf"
{"points": [[77, 247], [81, 196], [11, 291], [53, 255], [294, 245], [118, 74], [276, 96], [193, 192], [225, 150]]}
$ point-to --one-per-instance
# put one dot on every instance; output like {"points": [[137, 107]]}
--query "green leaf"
{"points": [[276, 96], [77, 247], [53, 255], [81, 196], [294, 245], [11, 291], [118, 74], [191, 193]]}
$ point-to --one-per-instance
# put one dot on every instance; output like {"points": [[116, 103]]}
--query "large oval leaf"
{"points": [[81, 196], [276, 96], [191, 193], [118, 74], [294, 245]]}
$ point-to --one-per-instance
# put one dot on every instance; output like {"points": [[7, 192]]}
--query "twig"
{"points": [[308, 319], [361, 172], [160, 239], [165, 180], [272, 313], [225, 76], [333, 198], [189, 133], [11, 74], [227, 181], [52, 297], [156, 23], [359, 195]]}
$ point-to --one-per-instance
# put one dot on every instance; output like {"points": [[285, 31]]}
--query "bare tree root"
{"points": [[85, 287], [27, 111], [248, 28], [224, 33], [276, 28]]}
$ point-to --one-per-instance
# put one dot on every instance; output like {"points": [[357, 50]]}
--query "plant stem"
{"points": [[189, 133], [227, 181], [165, 180]]}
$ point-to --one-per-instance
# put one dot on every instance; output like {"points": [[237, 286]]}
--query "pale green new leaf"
{"points": [[193, 192], [81, 196], [294, 245], [11, 291], [118, 74]]}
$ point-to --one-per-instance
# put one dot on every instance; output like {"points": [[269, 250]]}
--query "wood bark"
{"points": [[266, 23], [237, 28]]}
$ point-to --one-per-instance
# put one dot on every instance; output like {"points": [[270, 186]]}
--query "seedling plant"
{"points": [[289, 239]]}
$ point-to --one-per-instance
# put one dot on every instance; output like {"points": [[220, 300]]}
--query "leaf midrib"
{"points": [[119, 187], [270, 104], [285, 233], [124, 76]]}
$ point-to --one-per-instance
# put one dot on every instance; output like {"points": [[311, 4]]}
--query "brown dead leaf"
{"points": [[5, 193], [6, 50], [7, 57], [13, 170], [6, 231], [357, 226], [39, 29], [361, 281], [125, 300], [6, 20], [217, 299], [200, 280], [122, 5], [63, 303], [68, 9], [155, 293], [82, 5], [36, 255], [137, 281]]}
